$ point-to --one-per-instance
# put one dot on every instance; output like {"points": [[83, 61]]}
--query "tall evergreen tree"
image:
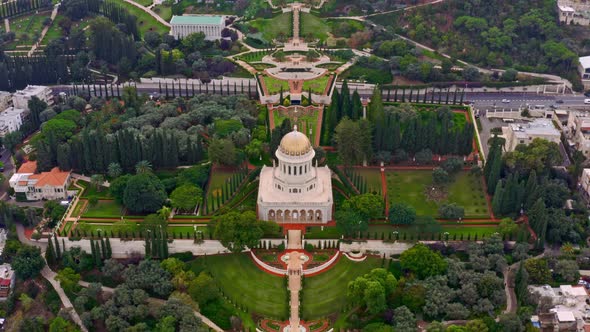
{"points": [[497, 200], [57, 248]]}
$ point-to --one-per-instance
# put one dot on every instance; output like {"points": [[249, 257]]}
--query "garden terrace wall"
{"points": [[396, 248]]}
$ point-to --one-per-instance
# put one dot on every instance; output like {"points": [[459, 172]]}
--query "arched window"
{"points": [[300, 169], [289, 170]]}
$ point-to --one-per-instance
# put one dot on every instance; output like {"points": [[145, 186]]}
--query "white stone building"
{"points": [[20, 99], [517, 133], [577, 131], [295, 191], [210, 25], [11, 119], [574, 12], [31, 186]]}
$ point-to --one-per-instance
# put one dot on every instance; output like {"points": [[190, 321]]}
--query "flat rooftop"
{"points": [[539, 127], [198, 19]]}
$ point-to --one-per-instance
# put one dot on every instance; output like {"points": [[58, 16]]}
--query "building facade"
{"points": [[210, 25], [577, 131], [11, 119], [517, 133], [5, 100], [584, 69], [574, 12], [20, 99], [295, 191], [52, 185], [7, 280]]}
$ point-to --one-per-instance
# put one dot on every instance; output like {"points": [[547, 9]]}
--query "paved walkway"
{"points": [[49, 275], [44, 31], [159, 302], [295, 270]]}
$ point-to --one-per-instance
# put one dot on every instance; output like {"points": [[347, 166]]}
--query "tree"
{"points": [[510, 323], [236, 231], [507, 227], [350, 222], [422, 261], [115, 170], [424, 156], [451, 211], [203, 289], [144, 193], [402, 214], [509, 75], [567, 270], [353, 141], [223, 151], [143, 167], [440, 177], [68, 279], [538, 271], [96, 182], [148, 275], [372, 289], [58, 324], [118, 186], [186, 197], [404, 320], [369, 206], [28, 262]]}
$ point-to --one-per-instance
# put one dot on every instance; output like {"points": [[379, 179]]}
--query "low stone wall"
{"points": [[376, 247], [321, 244], [323, 266], [123, 249]]}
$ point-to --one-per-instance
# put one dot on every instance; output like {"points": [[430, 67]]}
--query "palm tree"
{"points": [[115, 170], [143, 167], [96, 181]]}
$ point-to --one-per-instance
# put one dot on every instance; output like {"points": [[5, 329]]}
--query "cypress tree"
{"points": [[148, 246], [497, 200], [50, 253], [57, 248], [494, 173], [109, 250], [154, 241], [103, 248], [521, 284]]}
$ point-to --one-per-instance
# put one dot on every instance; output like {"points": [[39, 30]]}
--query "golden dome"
{"points": [[295, 143]]}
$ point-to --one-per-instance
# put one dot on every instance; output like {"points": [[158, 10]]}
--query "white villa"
{"points": [[295, 191], [184, 25]]}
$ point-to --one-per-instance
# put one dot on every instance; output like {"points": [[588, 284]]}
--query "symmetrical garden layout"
{"points": [[261, 287]]}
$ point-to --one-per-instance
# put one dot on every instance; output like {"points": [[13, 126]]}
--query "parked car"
{"points": [[586, 101], [506, 101]]}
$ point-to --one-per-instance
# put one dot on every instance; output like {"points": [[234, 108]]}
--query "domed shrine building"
{"points": [[295, 191]]}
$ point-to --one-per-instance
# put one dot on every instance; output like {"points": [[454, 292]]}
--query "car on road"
{"points": [[559, 101], [586, 101], [506, 101]]}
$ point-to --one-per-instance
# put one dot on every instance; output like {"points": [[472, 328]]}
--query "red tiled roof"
{"points": [[4, 282], [54, 178], [28, 167]]}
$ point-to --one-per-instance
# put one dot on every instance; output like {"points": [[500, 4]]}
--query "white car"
{"points": [[586, 101], [506, 101]]}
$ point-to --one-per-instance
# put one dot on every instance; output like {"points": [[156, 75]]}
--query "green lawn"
{"points": [[317, 86], [27, 29], [409, 187], [144, 3], [373, 178], [271, 28], [313, 25], [164, 11], [325, 293], [103, 209], [304, 123], [217, 181], [273, 85], [244, 283], [145, 21], [253, 56], [90, 191]]}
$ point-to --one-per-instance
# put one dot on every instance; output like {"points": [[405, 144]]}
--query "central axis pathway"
{"points": [[295, 270]]}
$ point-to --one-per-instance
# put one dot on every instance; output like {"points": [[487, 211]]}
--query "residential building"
{"points": [[32, 186], [585, 182], [577, 131], [574, 12], [7, 279], [525, 133], [584, 69], [11, 119], [210, 25], [295, 191], [20, 99], [569, 310], [5, 100]]}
